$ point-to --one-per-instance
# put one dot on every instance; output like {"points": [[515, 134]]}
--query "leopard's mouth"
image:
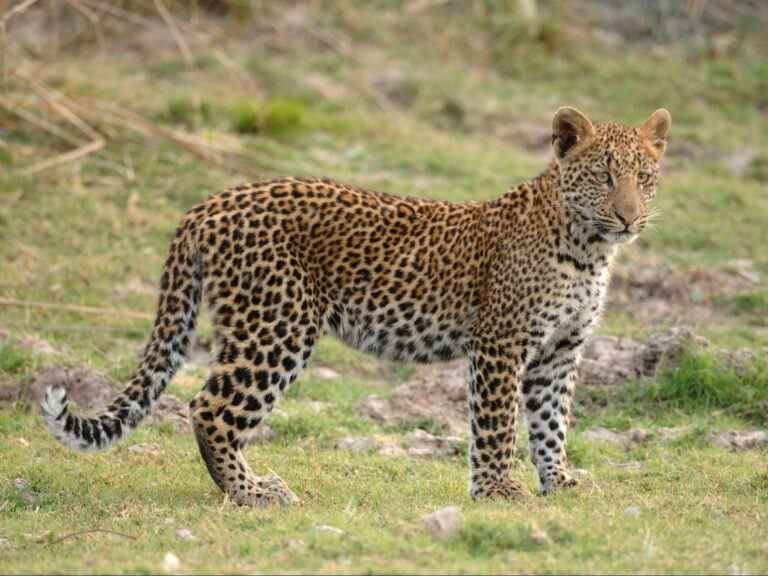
{"points": [[624, 237]]}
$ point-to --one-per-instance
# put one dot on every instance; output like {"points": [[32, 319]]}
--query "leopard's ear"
{"points": [[654, 131], [571, 133]]}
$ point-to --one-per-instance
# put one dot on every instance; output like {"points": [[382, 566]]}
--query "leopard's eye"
{"points": [[645, 177], [603, 177]]}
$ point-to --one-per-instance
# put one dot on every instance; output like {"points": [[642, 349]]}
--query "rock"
{"points": [[262, 434], [739, 439], [608, 361], [665, 350], [294, 544], [89, 390], [580, 472], [632, 511], [437, 393], [171, 562], [5, 542], [185, 534], [424, 445], [36, 345], [325, 529], [324, 373], [539, 536], [443, 523], [316, 406], [173, 410], [600, 434], [739, 161], [639, 435], [395, 86], [376, 408], [145, 448]]}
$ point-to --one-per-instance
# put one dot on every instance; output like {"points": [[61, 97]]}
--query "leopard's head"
{"points": [[609, 172]]}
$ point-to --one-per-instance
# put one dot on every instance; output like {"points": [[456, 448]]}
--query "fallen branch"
{"points": [[206, 150], [18, 9], [174, 30], [76, 308], [63, 158], [41, 123], [82, 532]]}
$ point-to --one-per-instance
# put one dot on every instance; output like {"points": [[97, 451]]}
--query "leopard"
{"points": [[515, 284]]}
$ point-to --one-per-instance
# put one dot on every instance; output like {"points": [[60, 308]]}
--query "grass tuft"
{"points": [[15, 361], [273, 117], [701, 383]]}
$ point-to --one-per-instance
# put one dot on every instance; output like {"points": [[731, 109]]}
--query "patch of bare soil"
{"points": [[729, 439], [438, 393], [651, 291], [90, 391]]}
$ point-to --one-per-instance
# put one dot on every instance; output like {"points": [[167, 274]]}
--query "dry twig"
{"points": [[18, 9], [65, 158], [82, 532], [76, 308], [174, 30]]}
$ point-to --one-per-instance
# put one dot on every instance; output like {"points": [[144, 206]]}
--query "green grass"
{"points": [[701, 384]]}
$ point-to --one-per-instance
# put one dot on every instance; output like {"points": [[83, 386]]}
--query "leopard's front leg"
{"points": [[548, 388], [494, 383]]}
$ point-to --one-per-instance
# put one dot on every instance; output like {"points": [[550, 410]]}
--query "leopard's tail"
{"points": [[180, 293]]}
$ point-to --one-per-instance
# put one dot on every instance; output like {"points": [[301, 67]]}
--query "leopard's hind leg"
{"points": [[260, 350]]}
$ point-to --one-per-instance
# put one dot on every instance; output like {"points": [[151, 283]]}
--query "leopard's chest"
{"points": [[582, 291]]}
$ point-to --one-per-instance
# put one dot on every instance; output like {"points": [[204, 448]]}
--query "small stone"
{"points": [[329, 530], [422, 444], [639, 435], [632, 511], [580, 472], [169, 520], [185, 534], [539, 536], [145, 448], [606, 436], [739, 439], [37, 345], [317, 406], [171, 562], [324, 373], [5, 542], [443, 523], [294, 544], [376, 408]]}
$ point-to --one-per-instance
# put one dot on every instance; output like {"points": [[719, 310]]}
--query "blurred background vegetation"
{"points": [[117, 116]]}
